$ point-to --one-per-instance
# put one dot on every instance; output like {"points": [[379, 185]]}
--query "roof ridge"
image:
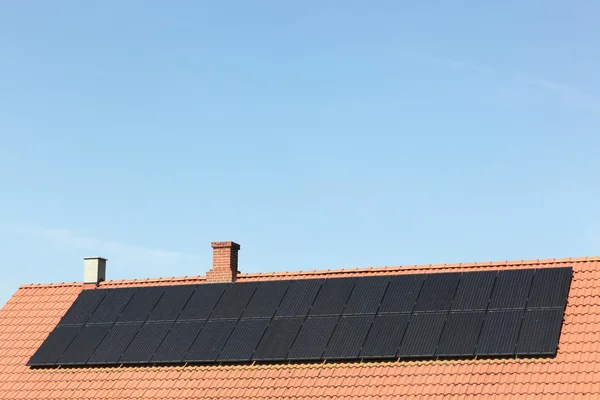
{"points": [[324, 272]]}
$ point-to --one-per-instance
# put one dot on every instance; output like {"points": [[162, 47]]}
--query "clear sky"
{"points": [[317, 134]]}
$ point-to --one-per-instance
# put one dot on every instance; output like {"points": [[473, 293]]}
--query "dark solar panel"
{"points": [[54, 345], [312, 338], [243, 340], [401, 294], [437, 292], [385, 336], [474, 291], [511, 290], [299, 297], [210, 341], [348, 337], [540, 332], [422, 335], [171, 303], [233, 302], [146, 342], [367, 295], [460, 334], [83, 307], [266, 299], [202, 302], [550, 288], [141, 304], [499, 333], [332, 297], [114, 344], [111, 305], [278, 339], [177, 342], [84, 344]]}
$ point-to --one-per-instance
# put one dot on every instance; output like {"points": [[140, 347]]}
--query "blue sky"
{"points": [[317, 134]]}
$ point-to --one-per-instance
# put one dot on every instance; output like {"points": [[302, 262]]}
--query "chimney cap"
{"points": [[221, 245]]}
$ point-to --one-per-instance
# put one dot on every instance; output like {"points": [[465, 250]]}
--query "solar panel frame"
{"points": [[84, 344], [401, 294], [266, 299], [54, 345], [385, 336], [367, 295], [145, 343], [332, 297], [437, 292], [234, 300], [511, 289], [422, 335], [210, 341], [460, 335], [244, 340], [141, 304], [83, 307], [499, 333], [540, 332], [474, 291], [299, 298], [202, 302], [178, 341], [278, 339], [348, 337], [312, 339], [113, 345], [171, 303], [111, 306], [550, 288]]}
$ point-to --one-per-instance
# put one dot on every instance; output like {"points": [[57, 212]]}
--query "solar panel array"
{"points": [[437, 315]]}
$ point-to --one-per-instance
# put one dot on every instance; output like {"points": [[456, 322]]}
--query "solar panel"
{"points": [[266, 299], [385, 336], [171, 303], [54, 345], [83, 307], [111, 305], [84, 344], [299, 298], [278, 339], [348, 337], [114, 344], [540, 332], [550, 288], [437, 292], [210, 341], [332, 297], [177, 342], [244, 340], [460, 334], [474, 291], [141, 304], [499, 333], [202, 302], [234, 300], [401, 294], [422, 335], [367, 295], [312, 338], [146, 342], [511, 290]]}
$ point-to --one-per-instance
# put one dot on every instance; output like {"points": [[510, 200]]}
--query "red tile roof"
{"points": [[34, 310]]}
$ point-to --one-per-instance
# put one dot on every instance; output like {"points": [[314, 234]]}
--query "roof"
{"points": [[34, 311]]}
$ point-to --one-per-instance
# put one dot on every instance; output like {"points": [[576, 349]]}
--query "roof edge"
{"points": [[290, 274]]}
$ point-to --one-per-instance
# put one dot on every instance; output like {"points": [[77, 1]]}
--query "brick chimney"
{"points": [[225, 262], [94, 271]]}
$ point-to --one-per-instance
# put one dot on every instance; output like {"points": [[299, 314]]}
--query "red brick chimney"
{"points": [[225, 262]]}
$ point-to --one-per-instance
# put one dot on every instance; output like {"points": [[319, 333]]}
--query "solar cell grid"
{"points": [[366, 295], [312, 338], [83, 307], [299, 298], [233, 302], [278, 339], [202, 302], [266, 299], [437, 292], [385, 336], [511, 290], [332, 297], [401, 294]]}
